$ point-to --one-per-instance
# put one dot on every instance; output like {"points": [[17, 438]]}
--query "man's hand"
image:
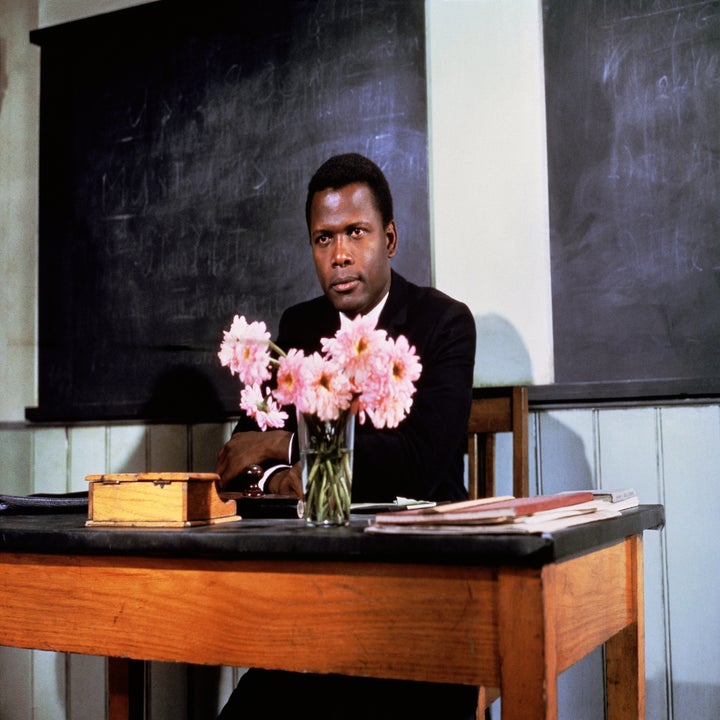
{"points": [[287, 481], [248, 448]]}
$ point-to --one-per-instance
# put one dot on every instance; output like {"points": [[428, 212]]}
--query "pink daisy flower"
{"points": [[328, 391], [361, 368], [245, 350], [263, 408], [356, 348], [404, 365], [389, 397], [389, 412], [290, 378]]}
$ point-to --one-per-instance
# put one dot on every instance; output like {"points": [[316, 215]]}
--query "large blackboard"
{"points": [[633, 124], [177, 140]]}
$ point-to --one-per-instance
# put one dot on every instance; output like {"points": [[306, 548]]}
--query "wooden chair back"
{"points": [[494, 410]]}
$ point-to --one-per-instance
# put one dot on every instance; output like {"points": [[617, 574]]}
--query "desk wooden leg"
{"points": [[126, 689], [528, 654], [625, 652]]}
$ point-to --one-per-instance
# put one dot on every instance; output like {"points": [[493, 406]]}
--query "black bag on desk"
{"points": [[50, 503]]}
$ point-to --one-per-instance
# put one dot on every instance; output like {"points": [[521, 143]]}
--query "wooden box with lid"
{"points": [[156, 499]]}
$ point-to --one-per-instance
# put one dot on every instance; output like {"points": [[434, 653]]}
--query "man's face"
{"points": [[351, 248]]}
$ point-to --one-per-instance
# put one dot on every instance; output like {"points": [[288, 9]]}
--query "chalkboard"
{"points": [[633, 112], [177, 140]]}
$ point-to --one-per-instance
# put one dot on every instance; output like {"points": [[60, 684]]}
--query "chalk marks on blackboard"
{"points": [[634, 171], [182, 160]]}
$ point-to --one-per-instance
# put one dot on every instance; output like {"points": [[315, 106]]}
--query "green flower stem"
{"points": [[276, 349], [327, 466]]}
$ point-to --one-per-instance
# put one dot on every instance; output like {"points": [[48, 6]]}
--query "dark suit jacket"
{"points": [[423, 457]]}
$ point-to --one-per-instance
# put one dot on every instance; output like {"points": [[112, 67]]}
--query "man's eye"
{"points": [[322, 239], [356, 232]]}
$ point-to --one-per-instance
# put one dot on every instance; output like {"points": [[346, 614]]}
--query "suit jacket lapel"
{"points": [[328, 321], [394, 315]]}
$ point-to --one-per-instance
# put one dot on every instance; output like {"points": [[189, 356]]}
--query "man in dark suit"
{"points": [[353, 239]]}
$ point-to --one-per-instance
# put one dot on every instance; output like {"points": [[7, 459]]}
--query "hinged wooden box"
{"points": [[156, 499]]}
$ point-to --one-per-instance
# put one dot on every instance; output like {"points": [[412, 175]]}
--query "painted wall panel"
{"points": [[566, 443], [128, 449], [168, 691], [503, 464], [16, 672], [168, 451], [49, 682], [16, 454], [88, 455], [501, 265], [50, 455], [206, 443], [86, 688], [19, 151], [628, 451], [629, 456], [691, 466]]}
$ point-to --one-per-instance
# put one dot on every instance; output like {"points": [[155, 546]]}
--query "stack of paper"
{"points": [[544, 513]]}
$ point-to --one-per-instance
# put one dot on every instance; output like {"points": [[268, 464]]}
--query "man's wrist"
{"points": [[283, 444], [265, 479]]}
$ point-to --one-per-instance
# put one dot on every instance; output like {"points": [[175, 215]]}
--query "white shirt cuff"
{"points": [[272, 470], [268, 474]]}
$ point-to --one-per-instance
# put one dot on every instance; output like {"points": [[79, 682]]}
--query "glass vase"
{"points": [[326, 454]]}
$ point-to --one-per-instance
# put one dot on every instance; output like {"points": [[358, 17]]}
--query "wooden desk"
{"points": [[505, 611]]}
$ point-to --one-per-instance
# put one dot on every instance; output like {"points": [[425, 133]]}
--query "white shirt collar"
{"points": [[374, 314]]}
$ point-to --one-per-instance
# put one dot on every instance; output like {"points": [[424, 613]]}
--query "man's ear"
{"points": [[391, 238]]}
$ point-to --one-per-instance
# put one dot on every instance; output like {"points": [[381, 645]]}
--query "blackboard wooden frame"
{"points": [[176, 142]]}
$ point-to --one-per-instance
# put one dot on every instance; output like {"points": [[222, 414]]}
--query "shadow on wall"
{"points": [[501, 357], [565, 460]]}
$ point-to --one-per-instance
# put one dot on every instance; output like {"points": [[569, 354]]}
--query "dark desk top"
{"points": [[277, 539]]}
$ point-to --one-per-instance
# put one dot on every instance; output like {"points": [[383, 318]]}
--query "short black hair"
{"points": [[342, 170]]}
